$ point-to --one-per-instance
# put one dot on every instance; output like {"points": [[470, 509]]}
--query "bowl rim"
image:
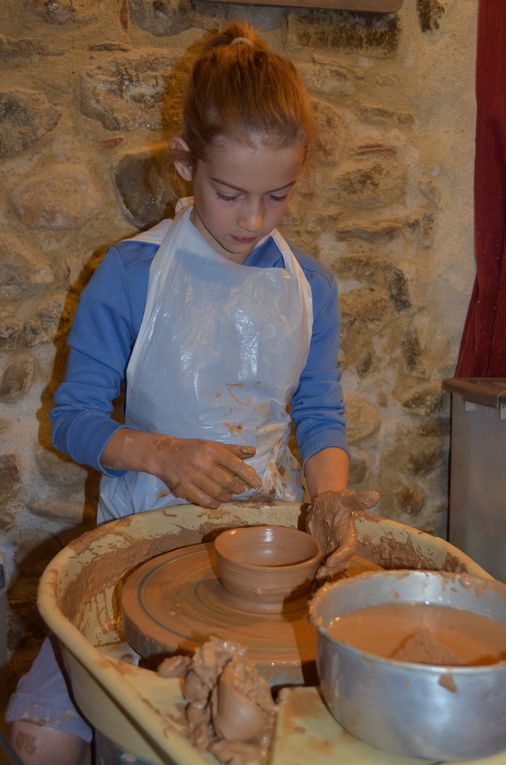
{"points": [[301, 563], [416, 667]]}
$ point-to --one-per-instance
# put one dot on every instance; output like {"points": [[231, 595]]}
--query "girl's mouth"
{"points": [[244, 239]]}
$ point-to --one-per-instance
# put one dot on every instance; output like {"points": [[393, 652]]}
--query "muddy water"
{"points": [[421, 633]]}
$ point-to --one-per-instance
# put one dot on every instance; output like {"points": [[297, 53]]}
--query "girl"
{"points": [[215, 325]]}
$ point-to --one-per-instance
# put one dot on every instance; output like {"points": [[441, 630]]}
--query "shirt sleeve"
{"points": [[101, 340], [317, 406]]}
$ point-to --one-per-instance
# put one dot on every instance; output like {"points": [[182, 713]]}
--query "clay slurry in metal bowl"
{"points": [[251, 586], [414, 662]]}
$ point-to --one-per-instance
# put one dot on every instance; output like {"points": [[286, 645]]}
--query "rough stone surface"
{"points": [[25, 116], [363, 417], [377, 31], [369, 303], [127, 92], [12, 47], [161, 17], [142, 183], [65, 12], [17, 378], [59, 470], [360, 183], [63, 197], [70, 512], [22, 273], [424, 399], [430, 13], [10, 477], [369, 268], [33, 323]]}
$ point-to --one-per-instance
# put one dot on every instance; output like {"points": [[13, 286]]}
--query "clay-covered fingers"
{"points": [[338, 560], [358, 501], [205, 495], [205, 472], [241, 469], [331, 520]]}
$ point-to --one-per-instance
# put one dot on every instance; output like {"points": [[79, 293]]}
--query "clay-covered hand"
{"points": [[204, 472], [331, 521]]}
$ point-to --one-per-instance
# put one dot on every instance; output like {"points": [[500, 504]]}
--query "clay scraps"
{"points": [[230, 710]]}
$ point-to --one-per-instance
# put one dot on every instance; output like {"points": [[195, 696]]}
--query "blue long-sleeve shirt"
{"points": [[105, 329]]}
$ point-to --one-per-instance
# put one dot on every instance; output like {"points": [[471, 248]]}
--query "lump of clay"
{"points": [[331, 521], [423, 648], [230, 710]]}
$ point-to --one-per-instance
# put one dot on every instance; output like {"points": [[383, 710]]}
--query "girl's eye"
{"points": [[225, 197], [278, 198]]}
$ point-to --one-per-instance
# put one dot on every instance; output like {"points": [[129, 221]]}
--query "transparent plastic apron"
{"points": [[218, 357]]}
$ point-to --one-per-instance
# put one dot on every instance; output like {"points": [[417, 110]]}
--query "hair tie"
{"points": [[241, 40]]}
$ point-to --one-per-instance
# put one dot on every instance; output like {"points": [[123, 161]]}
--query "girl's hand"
{"points": [[205, 473], [331, 521]]}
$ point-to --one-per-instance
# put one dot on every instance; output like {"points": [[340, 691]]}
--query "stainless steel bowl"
{"points": [[417, 710]]}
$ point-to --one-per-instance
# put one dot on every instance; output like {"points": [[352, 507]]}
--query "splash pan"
{"points": [[134, 707]]}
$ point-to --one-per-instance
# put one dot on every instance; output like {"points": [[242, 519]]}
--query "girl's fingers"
{"points": [[206, 493], [224, 479], [238, 467]]}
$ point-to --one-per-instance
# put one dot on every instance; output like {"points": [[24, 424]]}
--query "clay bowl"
{"points": [[266, 567], [431, 711]]}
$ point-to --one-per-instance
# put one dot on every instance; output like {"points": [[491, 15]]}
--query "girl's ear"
{"points": [[184, 168]]}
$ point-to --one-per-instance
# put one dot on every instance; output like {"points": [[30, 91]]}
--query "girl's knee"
{"points": [[41, 745]]}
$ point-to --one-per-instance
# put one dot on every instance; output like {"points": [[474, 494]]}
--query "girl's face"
{"points": [[241, 192]]}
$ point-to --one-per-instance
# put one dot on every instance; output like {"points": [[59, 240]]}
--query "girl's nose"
{"points": [[252, 216]]}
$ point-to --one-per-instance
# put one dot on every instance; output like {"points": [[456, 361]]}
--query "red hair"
{"points": [[241, 89]]}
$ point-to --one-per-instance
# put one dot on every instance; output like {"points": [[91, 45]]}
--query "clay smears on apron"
{"points": [[219, 354]]}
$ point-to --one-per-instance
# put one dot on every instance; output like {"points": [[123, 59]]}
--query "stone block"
{"points": [[369, 303], [365, 182], [63, 197], [63, 12], [22, 273], [142, 181], [25, 116], [362, 417], [341, 30], [410, 499], [424, 399], [17, 378], [430, 13], [10, 476], [59, 470], [160, 17], [127, 92], [22, 47]]}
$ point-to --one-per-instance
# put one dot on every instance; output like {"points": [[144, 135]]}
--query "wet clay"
{"points": [[264, 567], [425, 634], [331, 521], [230, 710], [392, 553], [175, 602]]}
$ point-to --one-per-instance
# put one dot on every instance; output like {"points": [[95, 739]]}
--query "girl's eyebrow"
{"points": [[237, 188]]}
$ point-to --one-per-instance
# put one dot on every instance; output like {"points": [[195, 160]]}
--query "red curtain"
{"points": [[483, 346]]}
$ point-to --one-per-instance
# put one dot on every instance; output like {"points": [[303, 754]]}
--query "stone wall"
{"points": [[386, 203]]}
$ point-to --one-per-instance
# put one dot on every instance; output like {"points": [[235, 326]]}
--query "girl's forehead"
{"points": [[233, 161]]}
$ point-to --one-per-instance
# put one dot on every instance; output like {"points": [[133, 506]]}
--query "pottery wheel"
{"points": [[174, 602]]}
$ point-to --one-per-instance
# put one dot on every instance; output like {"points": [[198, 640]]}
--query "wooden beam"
{"points": [[376, 6]]}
